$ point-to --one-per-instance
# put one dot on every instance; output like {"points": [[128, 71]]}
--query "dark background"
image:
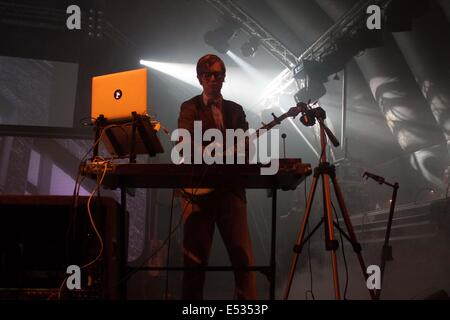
{"points": [[397, 123]]}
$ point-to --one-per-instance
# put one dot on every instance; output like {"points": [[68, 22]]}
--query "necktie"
{"points": [[217, 115]]}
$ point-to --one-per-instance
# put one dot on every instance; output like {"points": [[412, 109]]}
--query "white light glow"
{"points": [[181, 71], [253, 72], [302, 135], [275, 87]]}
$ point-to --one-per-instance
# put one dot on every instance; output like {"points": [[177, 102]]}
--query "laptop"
{"points": [[117, 95]]}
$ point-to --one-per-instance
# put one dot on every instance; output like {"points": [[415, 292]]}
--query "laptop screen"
{"points": [[117, 95]]}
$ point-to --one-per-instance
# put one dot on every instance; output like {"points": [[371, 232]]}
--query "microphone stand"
{"points": [[386, 254]]}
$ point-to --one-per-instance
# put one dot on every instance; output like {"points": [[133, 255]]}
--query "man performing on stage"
{"points": [[225, 208]]}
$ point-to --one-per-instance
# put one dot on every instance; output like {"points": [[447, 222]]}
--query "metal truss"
{"points": [[353, 22], [253, 28]]}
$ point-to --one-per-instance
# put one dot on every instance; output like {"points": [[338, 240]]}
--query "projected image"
{"points": [[37, 92]]}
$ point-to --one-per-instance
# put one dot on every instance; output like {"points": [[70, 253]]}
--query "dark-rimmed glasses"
{"points": [[218, 75]]}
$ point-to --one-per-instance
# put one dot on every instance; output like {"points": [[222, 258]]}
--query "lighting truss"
{"points": [[350, 24], [254, 29]]}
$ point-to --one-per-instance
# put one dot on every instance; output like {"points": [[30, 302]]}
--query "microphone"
{"points": [[283, 136], [378, 179]]}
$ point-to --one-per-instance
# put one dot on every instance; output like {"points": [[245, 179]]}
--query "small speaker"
{"points": [[40, 236]]}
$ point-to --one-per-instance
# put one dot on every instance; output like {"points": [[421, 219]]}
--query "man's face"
{"points": [[212, 79]]}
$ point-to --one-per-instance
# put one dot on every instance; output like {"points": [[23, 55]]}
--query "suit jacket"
{"points": [[195, 110]]}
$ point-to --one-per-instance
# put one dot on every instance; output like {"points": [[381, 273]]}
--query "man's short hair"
{"points": [[207, 61]]}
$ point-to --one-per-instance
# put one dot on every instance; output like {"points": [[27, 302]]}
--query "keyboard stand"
{"points": [[268, 271]]}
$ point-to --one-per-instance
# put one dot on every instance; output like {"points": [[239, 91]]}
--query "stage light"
{"points": [[219, 37], [249, 48], [311, 69], [313, 91], [314, 74]]}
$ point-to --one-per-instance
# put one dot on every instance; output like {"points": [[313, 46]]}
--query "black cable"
{"points": [[168, 246], [84, 158], [72, 219], [76, 193], [189, 200], [343, 253], [73, 212], [156, 251], [74, 207]]}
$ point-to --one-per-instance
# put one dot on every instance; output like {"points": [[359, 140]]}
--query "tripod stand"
{"points": [[326, 172]]}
